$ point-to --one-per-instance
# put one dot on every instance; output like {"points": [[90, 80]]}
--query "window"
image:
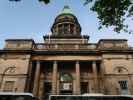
{"points": [[123, 86], [71, 28], [66, 77], [8, 86], [66, 81], [60, 29], [66, 28]]}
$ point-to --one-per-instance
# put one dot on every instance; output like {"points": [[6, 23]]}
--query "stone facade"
{"points": [[66, 63]]}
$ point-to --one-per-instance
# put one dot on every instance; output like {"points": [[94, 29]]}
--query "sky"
{"points": [[30, 19]]}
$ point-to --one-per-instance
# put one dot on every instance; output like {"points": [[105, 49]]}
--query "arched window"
{"points": [[65, 77], [66, 82]]}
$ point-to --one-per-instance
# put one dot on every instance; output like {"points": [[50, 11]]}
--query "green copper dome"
{"points": [[66, 10], [66, 24]]}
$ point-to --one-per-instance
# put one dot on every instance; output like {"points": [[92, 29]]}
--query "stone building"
{"points": [[66, 63]]}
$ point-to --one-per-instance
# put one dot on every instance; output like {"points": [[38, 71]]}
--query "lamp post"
{"points": [[4, 72]]}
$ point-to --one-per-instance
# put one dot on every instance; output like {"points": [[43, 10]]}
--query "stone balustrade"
{"points": [[66, 47]]}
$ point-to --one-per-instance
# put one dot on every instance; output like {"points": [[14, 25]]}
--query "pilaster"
{"points": [[54, 78], [36, 80], [94, 66]]}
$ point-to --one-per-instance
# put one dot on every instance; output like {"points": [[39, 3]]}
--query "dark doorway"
{"points": [[84, 87], [47, 90]]}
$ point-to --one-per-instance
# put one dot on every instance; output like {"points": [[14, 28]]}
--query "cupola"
{"points": [[66, 24]]}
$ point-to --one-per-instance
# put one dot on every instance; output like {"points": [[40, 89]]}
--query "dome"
{"points": [[66, 24]]}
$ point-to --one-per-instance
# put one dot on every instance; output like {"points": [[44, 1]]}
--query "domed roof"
{"points": [[66, 24]]}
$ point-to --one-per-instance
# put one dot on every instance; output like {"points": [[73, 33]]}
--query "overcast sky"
{"points": [[32, 19]]}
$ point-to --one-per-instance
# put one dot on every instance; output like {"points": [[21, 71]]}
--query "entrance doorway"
{"points": [[66, 85], [84, 87], [47, 90]]}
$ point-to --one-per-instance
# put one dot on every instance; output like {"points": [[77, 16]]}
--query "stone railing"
{"points": [[65, 47]]}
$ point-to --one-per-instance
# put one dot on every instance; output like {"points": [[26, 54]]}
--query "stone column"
{"points": [[74, 29], [41, 86], [102, 80], [54, 78], [36, 79], [77, 77], [28, 80], [69, 28], [95, 76], [58, 84]]}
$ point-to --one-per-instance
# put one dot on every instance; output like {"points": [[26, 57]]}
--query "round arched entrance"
{"points": [[66, 81]]}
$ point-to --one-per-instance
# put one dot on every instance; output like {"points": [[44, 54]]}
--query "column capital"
{"points": [[38, 61], [55, 62], [94, 67], [94, 61], [77, 61]]}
